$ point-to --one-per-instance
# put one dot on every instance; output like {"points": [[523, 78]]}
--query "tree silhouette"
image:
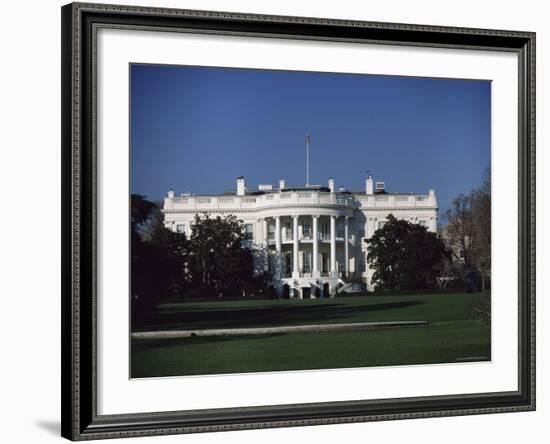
{"points": [[218, 257], [158, 258], [404, 256]]}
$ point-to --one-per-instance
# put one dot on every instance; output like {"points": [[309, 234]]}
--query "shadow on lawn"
{"points": [[272, 315], [144, 345]]}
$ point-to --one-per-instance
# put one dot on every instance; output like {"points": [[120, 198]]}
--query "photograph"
{"points": [[296, 217], [303, 220]]}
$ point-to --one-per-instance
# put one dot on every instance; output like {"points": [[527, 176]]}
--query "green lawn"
{"points": [[451, 336]]}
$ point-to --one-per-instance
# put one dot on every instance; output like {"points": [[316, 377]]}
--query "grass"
{"points": [[263, 313], [451, 336]]}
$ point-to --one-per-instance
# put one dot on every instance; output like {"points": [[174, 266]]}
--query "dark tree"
{"points": [[404, 256], [460, 234], [481, 207], [158, 260], [481, 215], [141, 210], [218, 257], [468, 233], [166, 265]]}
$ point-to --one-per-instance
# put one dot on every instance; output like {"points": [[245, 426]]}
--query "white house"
{"points": [[309, 238]]}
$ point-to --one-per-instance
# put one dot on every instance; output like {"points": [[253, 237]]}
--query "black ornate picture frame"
{"points": [[80, 419]]}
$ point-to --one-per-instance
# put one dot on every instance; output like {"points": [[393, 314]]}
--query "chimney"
{"points": [[241, 187], [170, 194], [281, 184], [369, 186], [432, 196], [331, 184]]}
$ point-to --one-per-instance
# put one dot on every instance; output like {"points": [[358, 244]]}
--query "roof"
{"points": [[310, 188], [362, 192]]}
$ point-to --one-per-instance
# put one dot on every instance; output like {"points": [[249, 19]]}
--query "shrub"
{"points": [[201, 291]]}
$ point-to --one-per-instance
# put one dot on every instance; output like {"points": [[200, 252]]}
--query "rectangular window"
{"points": [[288, 264], [306, 230], [324, 262], [381, 224], [423, 223], [325, 230], [307, 262], [180, 228], [340, 229], [288, 232], [248, 231], [271, 232]]}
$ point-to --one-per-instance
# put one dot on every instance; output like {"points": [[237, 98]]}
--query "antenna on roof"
{"points": [[308, 140]]}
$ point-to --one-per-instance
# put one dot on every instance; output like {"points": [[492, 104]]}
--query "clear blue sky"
{"points": [[196, 129]]}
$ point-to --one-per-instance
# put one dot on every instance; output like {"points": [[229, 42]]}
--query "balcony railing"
{"points": [[323, 237], [397, 200], [265, 200], [302, 273], [202, 203]]}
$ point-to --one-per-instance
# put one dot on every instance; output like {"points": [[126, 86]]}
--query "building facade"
{"points": [[310, 239]]}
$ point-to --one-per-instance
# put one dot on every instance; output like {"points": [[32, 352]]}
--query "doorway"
{"points": [[286, 291]]}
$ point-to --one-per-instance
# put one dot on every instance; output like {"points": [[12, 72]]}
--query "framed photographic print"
{"points": [[279, 221]]}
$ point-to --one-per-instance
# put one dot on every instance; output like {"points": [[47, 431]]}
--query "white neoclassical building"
{"points": [[309, 238]]}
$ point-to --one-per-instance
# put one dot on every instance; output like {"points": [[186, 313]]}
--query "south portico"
{"points": [[308, 250]]}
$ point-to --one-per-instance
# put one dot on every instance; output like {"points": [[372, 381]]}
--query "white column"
{"points": [[295, 261], [278, 259], [346, 245], [316, 272], [265, 245], [264, 231], [333, 246]]}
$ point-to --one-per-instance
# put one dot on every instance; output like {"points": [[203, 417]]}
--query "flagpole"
{"points": [[307, 159]]}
